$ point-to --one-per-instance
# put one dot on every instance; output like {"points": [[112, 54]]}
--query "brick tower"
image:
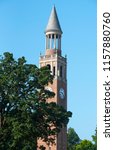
{"points": [[58, 65]]}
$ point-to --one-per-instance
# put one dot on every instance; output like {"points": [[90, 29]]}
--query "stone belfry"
{"points": [[58, 65]]}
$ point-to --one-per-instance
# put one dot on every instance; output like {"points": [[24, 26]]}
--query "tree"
{"points": [[85, 145], [94, 137], [25, 115], [72, 138]]}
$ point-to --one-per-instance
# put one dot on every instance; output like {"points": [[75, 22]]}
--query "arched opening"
{"points": [[49, 67]]}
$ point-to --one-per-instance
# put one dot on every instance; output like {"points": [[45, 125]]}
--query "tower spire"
{"points": [[53, 23]]}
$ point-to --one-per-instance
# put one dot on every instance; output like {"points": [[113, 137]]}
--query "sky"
{"points": [[22, 26]]}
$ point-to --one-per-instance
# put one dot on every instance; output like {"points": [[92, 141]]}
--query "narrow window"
{"points": [[61, 71], [54, 70]]}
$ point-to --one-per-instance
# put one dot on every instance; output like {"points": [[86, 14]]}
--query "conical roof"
{"points": [[53, 23]]}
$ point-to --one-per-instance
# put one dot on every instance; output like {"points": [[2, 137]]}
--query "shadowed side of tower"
{"points": [[58, 66]]}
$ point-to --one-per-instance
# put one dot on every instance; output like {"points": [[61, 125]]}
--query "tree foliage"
{"points": [[75, 143], [25, 115], [94, 137], [85, 145], [72, 139]]}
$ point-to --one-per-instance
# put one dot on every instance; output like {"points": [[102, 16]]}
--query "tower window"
{"points": [[54, 70], [61, 71]]}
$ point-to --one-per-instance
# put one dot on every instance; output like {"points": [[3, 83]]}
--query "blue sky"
{"points": [[22, 25]]}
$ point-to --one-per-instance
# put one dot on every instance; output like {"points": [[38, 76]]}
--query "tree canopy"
{"points": [[94, 137], [75, 143], [25, 115], [85, 145], [72, 138]]}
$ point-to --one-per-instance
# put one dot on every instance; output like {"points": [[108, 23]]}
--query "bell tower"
{"points": [[58, 65]]}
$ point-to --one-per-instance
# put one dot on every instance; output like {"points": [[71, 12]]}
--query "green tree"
{"points": [[72, 138], [25, 115], [85, 145], [94, 137]]}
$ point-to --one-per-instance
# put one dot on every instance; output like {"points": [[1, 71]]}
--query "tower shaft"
{"points": [[58, 65]]}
